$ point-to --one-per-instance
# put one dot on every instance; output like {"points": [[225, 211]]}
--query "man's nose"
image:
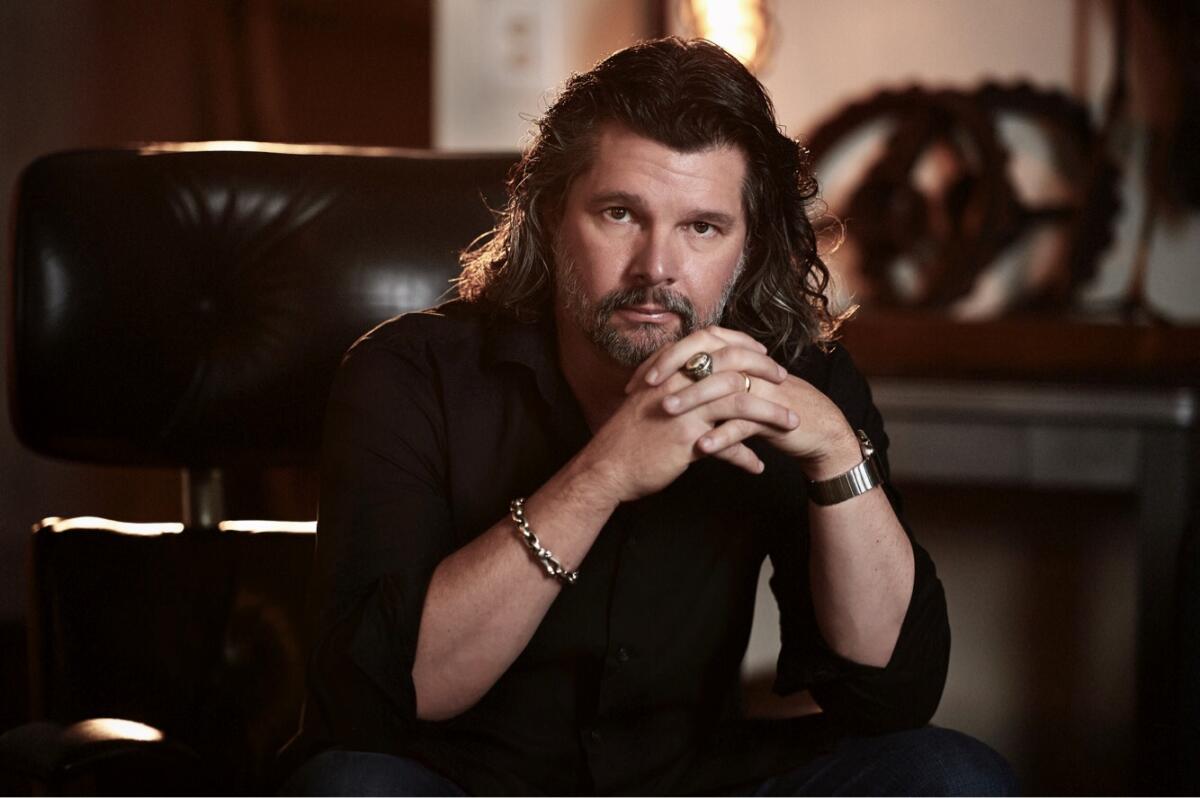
{"points": [[657, 259]]}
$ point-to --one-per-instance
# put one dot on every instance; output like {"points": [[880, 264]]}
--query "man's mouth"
{"points": [[646, 314]]}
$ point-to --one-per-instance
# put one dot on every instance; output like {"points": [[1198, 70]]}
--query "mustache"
{"points": [[663, 297]]}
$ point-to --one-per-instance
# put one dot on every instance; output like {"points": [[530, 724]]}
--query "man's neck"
{"points": [[596, 380]]}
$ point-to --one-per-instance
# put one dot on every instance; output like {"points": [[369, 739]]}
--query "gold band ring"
{"points": [[746, 377]]}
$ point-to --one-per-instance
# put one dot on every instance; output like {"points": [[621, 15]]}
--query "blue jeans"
{"points": [[928, 761], [366, 773]]}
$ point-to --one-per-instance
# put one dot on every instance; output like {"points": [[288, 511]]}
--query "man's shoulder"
{"points": [[408, 350], [820, 363], [456, 324]]}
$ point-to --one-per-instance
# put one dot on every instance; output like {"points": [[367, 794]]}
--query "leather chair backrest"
{"points": [[187, 305]]}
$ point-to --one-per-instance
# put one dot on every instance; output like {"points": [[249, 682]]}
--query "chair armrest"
{"points": [[54, 753]]}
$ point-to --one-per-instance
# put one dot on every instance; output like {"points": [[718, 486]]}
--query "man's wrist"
{"points": [[858, 480], [843, 454], [591, 485]]}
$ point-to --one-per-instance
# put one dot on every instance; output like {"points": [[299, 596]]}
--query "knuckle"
{"points": [[686, 434], [676, 382], [735, 356]]}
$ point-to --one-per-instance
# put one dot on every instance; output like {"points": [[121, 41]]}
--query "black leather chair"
{"points": [[186, 306]]}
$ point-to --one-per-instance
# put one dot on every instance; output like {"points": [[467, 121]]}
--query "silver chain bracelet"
{"points": [[541, 555]]}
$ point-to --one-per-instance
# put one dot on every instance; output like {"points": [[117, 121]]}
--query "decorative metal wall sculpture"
{"points": [[940, 205]]}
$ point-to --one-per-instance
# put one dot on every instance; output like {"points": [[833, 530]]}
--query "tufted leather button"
{"points": [[622, 654]]}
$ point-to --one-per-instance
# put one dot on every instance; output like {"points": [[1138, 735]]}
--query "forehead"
{"points": [[624, 162]]}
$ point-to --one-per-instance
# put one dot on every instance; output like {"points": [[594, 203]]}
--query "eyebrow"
{"points": [[635, 201]]}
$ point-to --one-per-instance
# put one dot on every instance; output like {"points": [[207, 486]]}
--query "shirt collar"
{"points": [[533, 345]]}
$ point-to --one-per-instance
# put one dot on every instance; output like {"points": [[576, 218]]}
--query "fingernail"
{"points": [[652, 375], [671, 402], [705, 443], [793, 419], [760, 467], [782, 373]]}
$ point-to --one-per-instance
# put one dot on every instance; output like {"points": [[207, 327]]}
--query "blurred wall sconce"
{"points": [[743, 27]]}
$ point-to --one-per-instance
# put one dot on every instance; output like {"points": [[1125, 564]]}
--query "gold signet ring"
{"points": [[698, 366]]}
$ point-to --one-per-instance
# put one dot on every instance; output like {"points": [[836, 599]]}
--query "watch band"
{"points": [[855, 482]]}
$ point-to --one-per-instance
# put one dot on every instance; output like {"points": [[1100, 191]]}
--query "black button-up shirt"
{"points": [[630, 684]]}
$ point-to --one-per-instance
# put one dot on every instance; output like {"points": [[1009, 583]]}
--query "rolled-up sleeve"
{"points": [[903, 694], [384, 526]]}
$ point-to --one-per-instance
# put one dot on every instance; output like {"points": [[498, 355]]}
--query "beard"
{"points": [[630, 347]]}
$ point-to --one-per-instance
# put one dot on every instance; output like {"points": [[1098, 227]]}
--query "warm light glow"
{"points": [[299, 527], [278, 147], [55, 524], [742, 27], [117, 729], [261, 146], [162, 147]]}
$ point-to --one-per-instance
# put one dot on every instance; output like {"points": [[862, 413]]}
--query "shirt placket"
{"points": [[610, 742]]}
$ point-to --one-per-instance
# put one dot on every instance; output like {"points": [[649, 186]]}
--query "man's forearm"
{"points": [[861, 571], [486, 600]]}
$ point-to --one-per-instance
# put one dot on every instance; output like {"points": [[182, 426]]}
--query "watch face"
{"points": [[865, 444]]}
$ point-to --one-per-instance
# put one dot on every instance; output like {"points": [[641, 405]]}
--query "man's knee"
{"points": [[366, 773], [936, 761]]}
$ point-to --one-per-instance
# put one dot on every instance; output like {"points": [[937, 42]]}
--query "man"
{"points": [[545, 505]]}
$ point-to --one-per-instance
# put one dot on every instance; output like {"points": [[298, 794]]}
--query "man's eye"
{"points": [[702, 228], [617, 214]]}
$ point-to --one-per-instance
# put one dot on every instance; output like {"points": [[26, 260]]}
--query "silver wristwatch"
{"points": [[855, 482]]}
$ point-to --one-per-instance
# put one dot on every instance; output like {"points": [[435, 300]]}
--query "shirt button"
{"points": [[622, 654], [594, 735]]}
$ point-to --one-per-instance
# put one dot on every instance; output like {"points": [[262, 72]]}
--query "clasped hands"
{"points": [[668, 420]]}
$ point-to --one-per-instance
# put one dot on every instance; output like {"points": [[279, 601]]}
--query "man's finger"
{"points": [[731, 378], [670, 358], [750, 408], [698, 341], [737, 338], [741, 456]]}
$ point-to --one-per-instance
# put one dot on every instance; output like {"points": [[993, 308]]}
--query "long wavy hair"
{"points": [[689, 96]]}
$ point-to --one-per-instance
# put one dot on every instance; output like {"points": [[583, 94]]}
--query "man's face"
{"points": [[649, 244]]}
